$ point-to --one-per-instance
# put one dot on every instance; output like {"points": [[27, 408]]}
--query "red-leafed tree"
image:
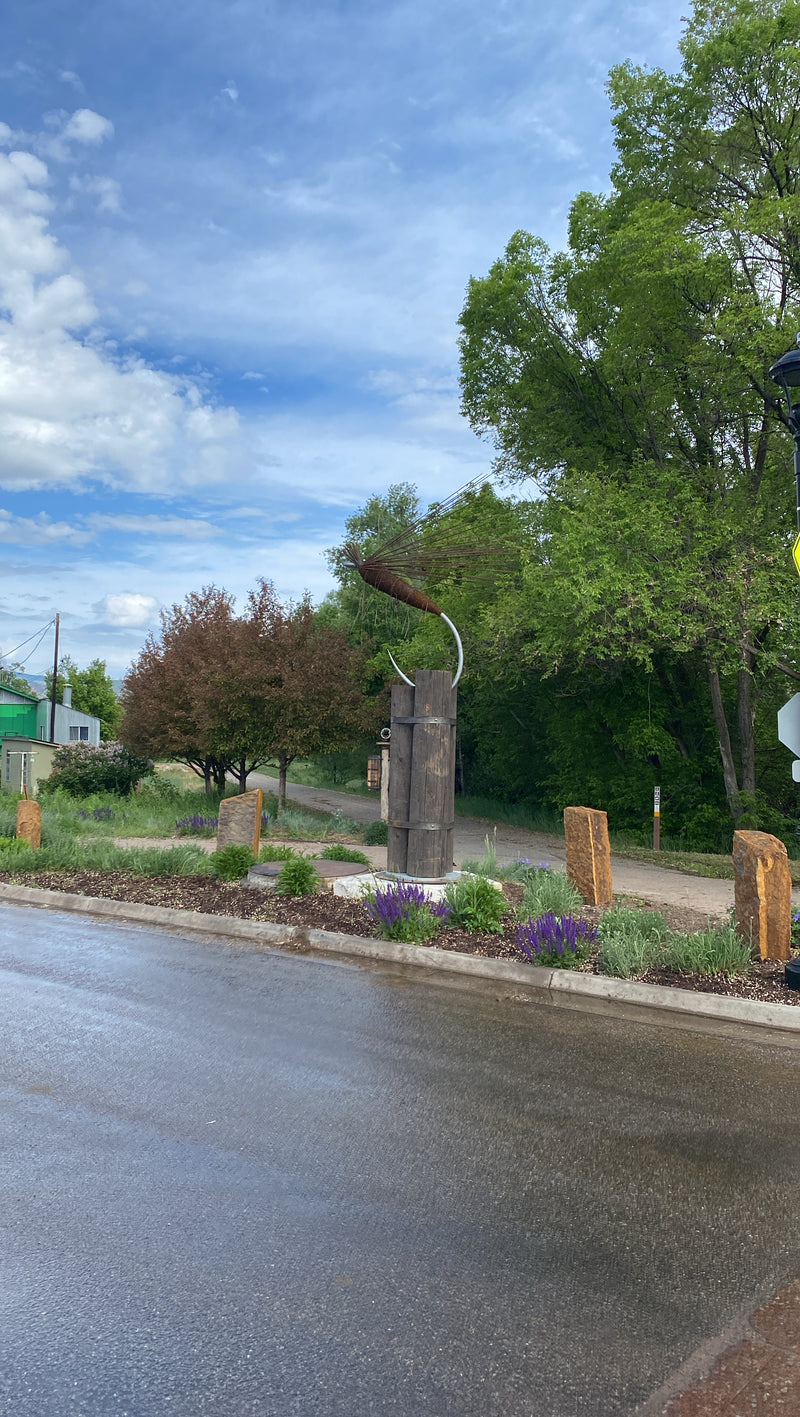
{"points": [[227, 694]]}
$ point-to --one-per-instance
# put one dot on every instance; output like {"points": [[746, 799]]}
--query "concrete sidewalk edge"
{"points": [[558, 986]]}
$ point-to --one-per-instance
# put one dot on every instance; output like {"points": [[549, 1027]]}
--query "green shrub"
{"points": [[475, 904], [15, 852], [344, 853], [231, 863], [277, 852], [82, 769], [631, 941], [547, 893], [298, 877], [376, 834], [718, 949]]}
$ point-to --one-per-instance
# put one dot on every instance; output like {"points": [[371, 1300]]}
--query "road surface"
{"points": [[243, 1182]]}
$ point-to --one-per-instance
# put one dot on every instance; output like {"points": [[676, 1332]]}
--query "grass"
{"points": [[634, 941], [61, 852]]}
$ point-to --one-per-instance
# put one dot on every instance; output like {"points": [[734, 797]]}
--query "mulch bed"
{"points": [[349, 917]]}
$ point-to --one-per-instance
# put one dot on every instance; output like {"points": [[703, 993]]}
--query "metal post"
{"points": [[385, 782], [55, 686], [797, 470], [656, 818]]}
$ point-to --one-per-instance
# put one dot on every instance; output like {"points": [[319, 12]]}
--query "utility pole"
{"points": [[55, 684]]}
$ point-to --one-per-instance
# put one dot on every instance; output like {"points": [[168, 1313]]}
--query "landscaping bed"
{"points": [[764, 980]]}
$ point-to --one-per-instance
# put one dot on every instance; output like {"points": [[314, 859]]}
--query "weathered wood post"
{"points": [[422, 781]]}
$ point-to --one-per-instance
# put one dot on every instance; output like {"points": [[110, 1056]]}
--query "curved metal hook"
{"points": [[459, 666]]}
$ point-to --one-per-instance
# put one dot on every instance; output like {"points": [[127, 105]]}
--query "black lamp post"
{"points": [[786, 372]]}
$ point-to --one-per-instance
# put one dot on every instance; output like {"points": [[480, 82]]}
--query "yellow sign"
{"points": [[796, 553]]}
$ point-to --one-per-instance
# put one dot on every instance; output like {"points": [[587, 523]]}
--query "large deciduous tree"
{"points": [[628, 377], [227, 694], [170, 709]]}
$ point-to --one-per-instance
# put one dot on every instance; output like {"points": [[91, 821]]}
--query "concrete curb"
{"points": [[621, 997]]}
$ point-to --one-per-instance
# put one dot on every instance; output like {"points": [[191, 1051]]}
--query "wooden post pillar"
{"points": [[422, 781]]}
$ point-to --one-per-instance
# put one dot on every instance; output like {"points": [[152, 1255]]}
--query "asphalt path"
{"points": [[656, 884], [245, 1182]]}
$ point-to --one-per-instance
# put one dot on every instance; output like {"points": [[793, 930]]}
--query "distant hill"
{"points": [[38, 686]]}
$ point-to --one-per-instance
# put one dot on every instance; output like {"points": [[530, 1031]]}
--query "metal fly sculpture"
{"points": [[424, 547]]}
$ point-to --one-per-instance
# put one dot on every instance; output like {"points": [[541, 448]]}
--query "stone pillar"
{"points": [[240, 820], [763, 892], [29, 823], [588, 854]]}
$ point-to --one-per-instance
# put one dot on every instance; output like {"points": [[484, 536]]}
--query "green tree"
{"points": [[627, 376], [92, 692], [11, 678]]}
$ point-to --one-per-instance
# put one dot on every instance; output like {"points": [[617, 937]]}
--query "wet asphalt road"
{"points": [[251, 1183]]}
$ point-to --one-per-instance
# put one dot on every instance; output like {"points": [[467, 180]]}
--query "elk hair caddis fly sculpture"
{"points": [[418, 550]]}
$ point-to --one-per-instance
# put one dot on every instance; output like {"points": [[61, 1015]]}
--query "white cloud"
{"points": [[192, 528], [231, 91], [127, 609], [39, 531], [71, 410], [106, 191], [86, 126]]}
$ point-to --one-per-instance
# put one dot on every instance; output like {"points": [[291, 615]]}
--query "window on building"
{"points": [[73, 735], [84, 735]]}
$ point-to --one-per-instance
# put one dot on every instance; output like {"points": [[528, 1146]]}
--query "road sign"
{"points": [[796, 553], [789, 724], [789, 728]]}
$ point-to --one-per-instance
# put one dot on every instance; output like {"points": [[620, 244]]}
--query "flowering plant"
{"points": [[196, 825], [558, 941], [405, 912], [83, 769]]}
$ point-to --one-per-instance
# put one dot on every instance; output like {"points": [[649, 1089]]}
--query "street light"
{"points": [[786, 372]]}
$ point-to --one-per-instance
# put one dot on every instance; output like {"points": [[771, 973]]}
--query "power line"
{"points": [[41, 635], [32, 652]]}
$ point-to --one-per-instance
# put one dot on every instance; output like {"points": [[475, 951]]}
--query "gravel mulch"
{"points": [[349, 917]]}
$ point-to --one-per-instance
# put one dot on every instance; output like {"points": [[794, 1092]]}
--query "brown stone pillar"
{"points": [[29, 823], [763, 892], [588, 854]]}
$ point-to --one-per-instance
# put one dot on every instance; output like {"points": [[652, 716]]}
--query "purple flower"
{"points": [[400, 903], [554, 938]]}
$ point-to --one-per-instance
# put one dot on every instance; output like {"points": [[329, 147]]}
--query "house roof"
{"points": [[30, 698]]}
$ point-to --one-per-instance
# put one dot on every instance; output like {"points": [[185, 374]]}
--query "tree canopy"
{"points": [[626, 377], [227, 694]]}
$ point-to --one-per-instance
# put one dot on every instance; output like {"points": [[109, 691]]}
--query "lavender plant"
{"points": [[557, 941], [196, 825], [406, 913]]}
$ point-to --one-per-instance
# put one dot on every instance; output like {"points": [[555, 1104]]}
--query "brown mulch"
{"points": [[349, 917]]}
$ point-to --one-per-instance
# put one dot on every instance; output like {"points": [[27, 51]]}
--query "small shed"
{"points": [[25, 763]]}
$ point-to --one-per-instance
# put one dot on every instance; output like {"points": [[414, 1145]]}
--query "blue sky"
{"points": [[234, 243]]}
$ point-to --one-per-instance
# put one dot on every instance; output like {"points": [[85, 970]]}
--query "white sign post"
{"points": [[789, 730]]}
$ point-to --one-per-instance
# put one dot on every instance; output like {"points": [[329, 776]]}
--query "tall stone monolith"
{"points": [[589, 854], [763, 892], [29, 823]]}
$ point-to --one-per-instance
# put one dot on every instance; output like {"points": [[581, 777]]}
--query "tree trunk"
{"points": [[220, 775], [747, 722], [723, 734], [207, 779], [283, 763], [241, 775]]}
